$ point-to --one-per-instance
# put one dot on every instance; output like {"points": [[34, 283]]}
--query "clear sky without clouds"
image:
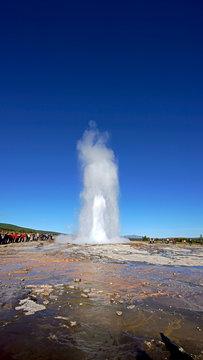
{"points": [[135, 68]]}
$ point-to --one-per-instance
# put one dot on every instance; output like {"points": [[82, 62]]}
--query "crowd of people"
{"points": [[9, 238], [168, 241]]}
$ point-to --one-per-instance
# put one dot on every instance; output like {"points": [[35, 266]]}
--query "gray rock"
{"points": [[30, 307]]}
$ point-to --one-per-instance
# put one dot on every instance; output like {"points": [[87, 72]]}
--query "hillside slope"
{"points": [[15, 228]]}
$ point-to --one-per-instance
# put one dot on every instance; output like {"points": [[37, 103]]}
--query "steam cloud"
{"points": [[99, 217]]}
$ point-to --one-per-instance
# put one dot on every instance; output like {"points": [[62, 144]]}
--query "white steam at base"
{"points": [[99, 217]]}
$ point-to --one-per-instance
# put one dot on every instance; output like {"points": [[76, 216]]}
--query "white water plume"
{"points": [[99, 217]]}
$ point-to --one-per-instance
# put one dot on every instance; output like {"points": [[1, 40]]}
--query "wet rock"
{"points": [[69, 324], [119, 313], [44, 290], [86, 291], [148, 344], [160, 344], [73, 323], [117, 296], [85, 296], [47, 289], [46, 302], [130, 307], [52, 337], [61, 318], [59, 285], [33, 297], [77, 280], [65, 326], [30, 307]]}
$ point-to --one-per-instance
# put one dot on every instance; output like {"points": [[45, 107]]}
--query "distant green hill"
{"points": [[15, 228]]}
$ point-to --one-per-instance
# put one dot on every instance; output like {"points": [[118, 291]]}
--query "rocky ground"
{"points": [[157, 254], [99, 301]]}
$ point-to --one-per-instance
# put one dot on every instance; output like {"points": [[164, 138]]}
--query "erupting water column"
{"points": [[98, 232], [99, 217]]}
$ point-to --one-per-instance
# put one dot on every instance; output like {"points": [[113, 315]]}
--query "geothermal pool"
{"points": [[99, 301]]}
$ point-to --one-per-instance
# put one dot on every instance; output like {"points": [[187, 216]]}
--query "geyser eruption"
{"points": [[99, 217], [98, 209]]}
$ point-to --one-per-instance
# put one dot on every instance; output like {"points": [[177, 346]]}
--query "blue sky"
{"points": [[135, 68]]}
